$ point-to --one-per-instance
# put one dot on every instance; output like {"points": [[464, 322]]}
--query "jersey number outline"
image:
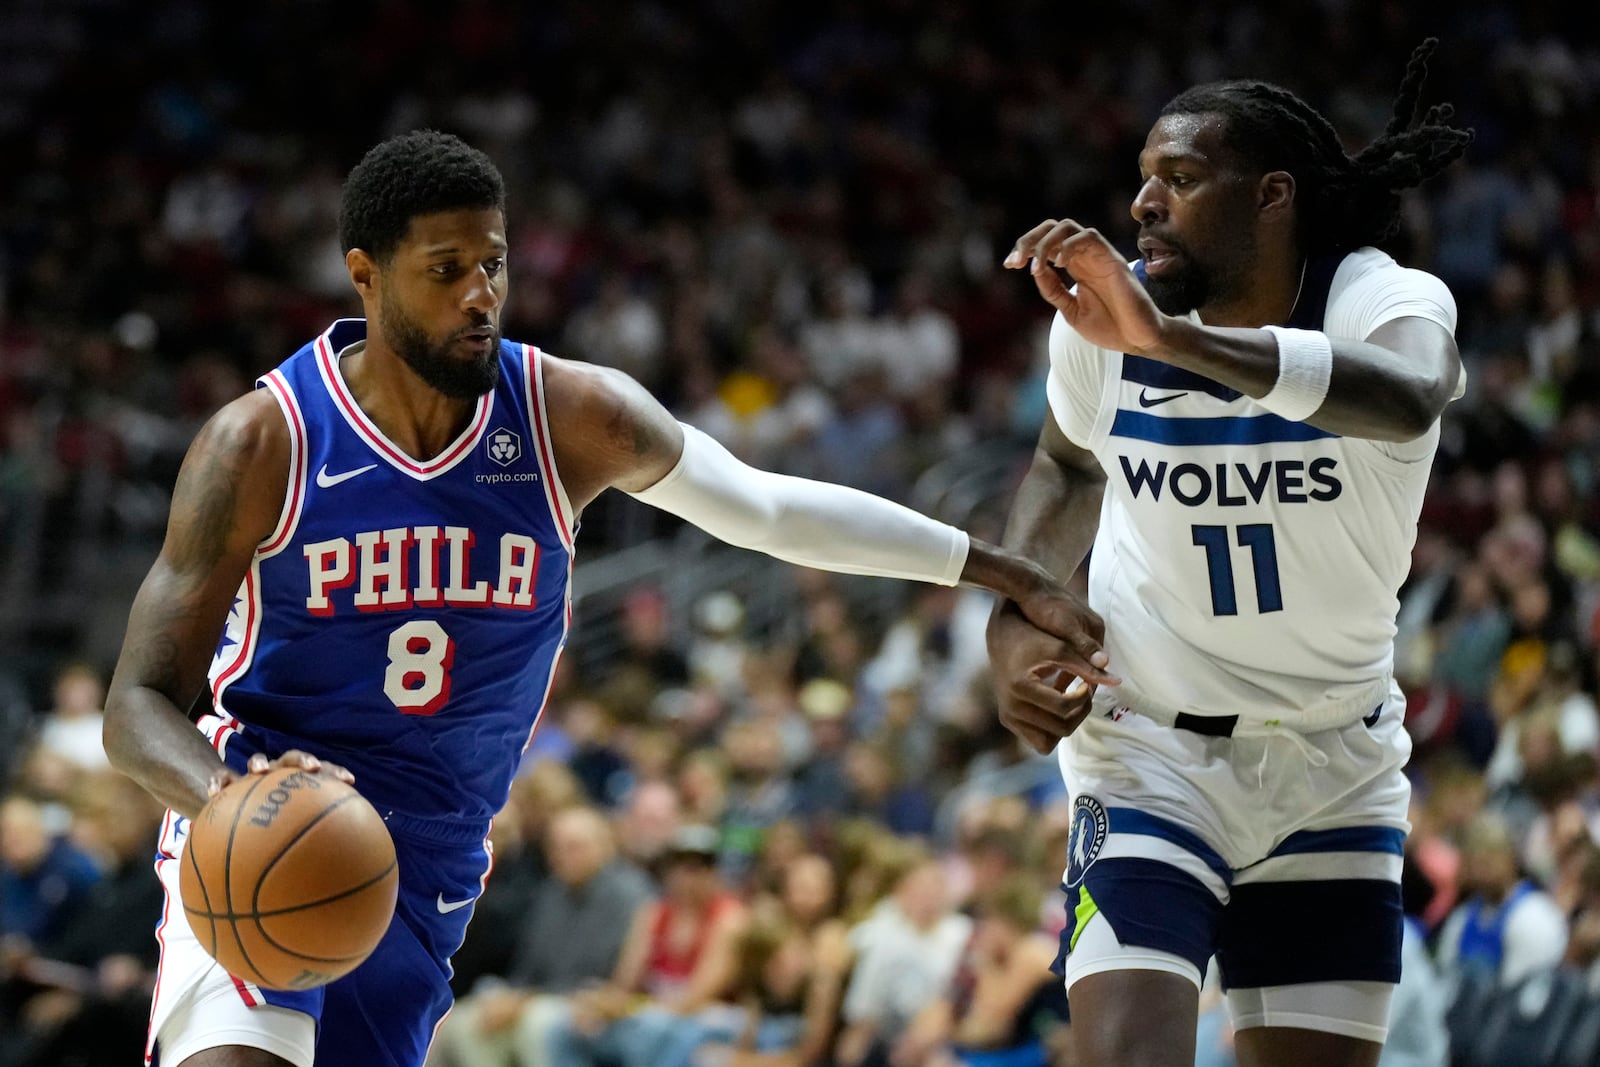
{"points": [[417, 679], [1263, 546]]}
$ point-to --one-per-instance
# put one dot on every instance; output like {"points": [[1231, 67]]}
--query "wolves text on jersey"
{"points": [[1236, 484], [418, 566]]}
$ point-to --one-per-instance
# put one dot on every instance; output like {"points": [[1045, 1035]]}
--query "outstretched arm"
{"points": [[814, 524], [1391, 386]]}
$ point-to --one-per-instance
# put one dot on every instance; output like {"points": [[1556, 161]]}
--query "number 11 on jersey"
{"points": [[1257, 537]]}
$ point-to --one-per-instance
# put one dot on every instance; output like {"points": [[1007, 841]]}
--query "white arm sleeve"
{"points": [[813, 524]]}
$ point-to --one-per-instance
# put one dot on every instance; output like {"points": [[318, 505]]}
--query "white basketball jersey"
{"points": [[1246, 564]]}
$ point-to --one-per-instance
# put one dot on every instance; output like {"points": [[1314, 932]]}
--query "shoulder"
{"points": [[1373, 265], [244, 433], [1370, 288], [1537, 908], [574, 385], [628, 881]]}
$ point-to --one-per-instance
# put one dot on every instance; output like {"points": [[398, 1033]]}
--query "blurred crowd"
{"points": [[803, 843]]}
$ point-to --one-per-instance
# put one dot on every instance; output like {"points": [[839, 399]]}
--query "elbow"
{"points": [[119, 734], [1414, 411], [113, 736]]}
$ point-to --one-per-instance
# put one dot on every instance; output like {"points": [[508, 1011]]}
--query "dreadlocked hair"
{"points": [[1344, 201]]}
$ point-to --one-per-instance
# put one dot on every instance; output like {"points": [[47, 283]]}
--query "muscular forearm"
{"points": [[1372, 393], [149, 739], [1055, 514]]}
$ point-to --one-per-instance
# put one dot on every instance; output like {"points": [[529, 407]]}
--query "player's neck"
{"points": [[420, 420], [1270, 297]]}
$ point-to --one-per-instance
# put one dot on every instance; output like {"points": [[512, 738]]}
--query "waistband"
{"points": [[450, 831], [1364, 705], [236, 743]]}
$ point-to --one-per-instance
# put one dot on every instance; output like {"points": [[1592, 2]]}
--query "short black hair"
{"points": [[417, 173], [1342, 202]]}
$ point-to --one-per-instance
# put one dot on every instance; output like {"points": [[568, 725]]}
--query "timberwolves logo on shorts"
{"points": [[505, 447], [1089, 827]]}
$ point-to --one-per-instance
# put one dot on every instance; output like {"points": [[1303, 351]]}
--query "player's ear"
{"points": [[363, 270], [1276, 192]]}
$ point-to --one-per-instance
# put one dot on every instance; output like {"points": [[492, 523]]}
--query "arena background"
{"points": [[786, 220]]}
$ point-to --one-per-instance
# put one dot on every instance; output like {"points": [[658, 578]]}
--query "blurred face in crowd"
{"points": [[439, 296], [78, 692], [691, 879], [1198, 213], [577, 845], [1488, 864], [116, 818], [808, 889], [651, 818], [24, 841], [921, 894]]}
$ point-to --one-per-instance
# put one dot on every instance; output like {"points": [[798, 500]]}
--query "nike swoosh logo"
{"points": [[328, 481], [447, 906], [1146, 401]]}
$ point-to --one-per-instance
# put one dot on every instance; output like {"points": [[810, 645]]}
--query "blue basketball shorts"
{"points": [[1276, 857]]}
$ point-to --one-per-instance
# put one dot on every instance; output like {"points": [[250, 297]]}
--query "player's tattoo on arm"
{"points": [[157, 661], [628, 430], [200, 536]]}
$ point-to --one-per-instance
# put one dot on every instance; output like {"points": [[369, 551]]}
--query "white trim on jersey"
{"points": [[294, 498], [367, 430], [163, 855], [250, 604], [555, 493]]}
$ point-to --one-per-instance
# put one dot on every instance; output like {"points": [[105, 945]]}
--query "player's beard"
{"points": [[1179, 292], [1199, 283], [459, 379]]}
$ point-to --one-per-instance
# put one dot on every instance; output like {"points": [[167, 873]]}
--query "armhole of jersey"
{"points": [[555, 493], [294, 496], [1106, 413]]}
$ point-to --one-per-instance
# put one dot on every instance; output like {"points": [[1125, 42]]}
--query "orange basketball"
{"points": [[289, 878]]}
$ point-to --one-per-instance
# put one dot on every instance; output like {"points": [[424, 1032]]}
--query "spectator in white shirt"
{"points": [[906, 952], [1504, 922]]}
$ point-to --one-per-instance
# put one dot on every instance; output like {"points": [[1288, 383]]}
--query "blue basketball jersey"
{"points": [[405, 617]]}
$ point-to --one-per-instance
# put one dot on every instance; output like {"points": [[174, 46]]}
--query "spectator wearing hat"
{"points": [[821, 783]]}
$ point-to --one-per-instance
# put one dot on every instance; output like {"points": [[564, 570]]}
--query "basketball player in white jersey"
{"points": [[1241, 426]]}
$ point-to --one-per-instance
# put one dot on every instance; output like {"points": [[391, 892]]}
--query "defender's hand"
{"points": [[1110, 309], [1040, 679], [1062, 614]]}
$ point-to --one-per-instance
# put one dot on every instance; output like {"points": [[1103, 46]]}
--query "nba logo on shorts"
{"points": [[1089, 828], [505, 447]]}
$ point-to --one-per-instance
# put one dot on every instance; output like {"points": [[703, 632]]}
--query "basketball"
{"points": [[289, 878]]}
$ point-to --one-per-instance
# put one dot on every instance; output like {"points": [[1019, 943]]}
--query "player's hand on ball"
{"points": [[1044, 685], [260, 764]]}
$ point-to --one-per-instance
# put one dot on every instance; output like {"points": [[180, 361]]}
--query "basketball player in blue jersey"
{"points": [[1241, 426], [369, 560]]}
